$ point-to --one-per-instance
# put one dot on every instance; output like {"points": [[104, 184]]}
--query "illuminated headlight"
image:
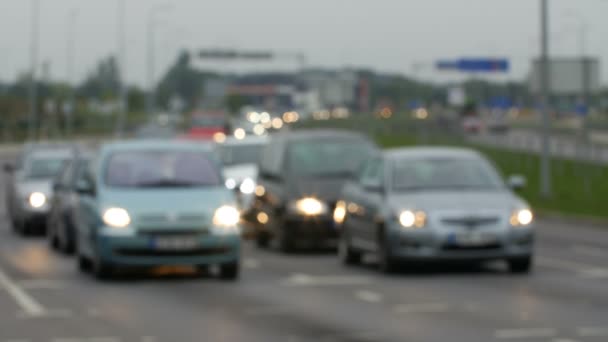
{"points": [[412, 219], [247, 186], [310, 207], [340, 212], [521, 218], [226, 216], [230, 183], [116, 218], [37, 200]]}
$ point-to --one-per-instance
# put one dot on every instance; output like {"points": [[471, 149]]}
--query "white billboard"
{"points": [[568, 76]]}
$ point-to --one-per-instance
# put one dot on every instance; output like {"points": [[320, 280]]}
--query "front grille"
{"points": [[132, 252], [470, 221], [166, 219], [472, 248], [171, 232]]}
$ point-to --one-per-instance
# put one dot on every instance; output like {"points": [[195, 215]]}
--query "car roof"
{"points": [[145, 145], [52, 153], [431, 152], [248, 140], [316, 134]]}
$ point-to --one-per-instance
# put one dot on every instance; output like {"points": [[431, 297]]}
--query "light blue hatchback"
{"points": [[154, 204]]}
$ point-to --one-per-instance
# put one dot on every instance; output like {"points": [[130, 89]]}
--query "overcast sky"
{"points": [[386, 35]]}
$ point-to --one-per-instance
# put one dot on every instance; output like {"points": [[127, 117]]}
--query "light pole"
{"points": [[151, 99], [545, 165], [33, 91], [122, 70], [71, 106]]}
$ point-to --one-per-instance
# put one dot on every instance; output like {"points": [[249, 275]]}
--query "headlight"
{"points": [[230, 183], [521, 218], [226, 216], [37, 200], [412, 219], [247, 186], [310, 207], [340, 212], [116, 218]]}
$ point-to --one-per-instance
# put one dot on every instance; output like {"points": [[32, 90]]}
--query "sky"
{"points": [[402, 36]]}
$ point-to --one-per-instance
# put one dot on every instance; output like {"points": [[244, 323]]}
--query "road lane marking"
{"points": [[589, 251], [368, 296], [592, 331], [251, 263], [584, 270], [309, 280], [28, 304], [422, 308], [563, 340], [514, 334], [41, 284]]}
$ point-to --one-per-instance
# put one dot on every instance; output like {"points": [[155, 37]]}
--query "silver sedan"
{"points": [[434, 204], [28, 195]]}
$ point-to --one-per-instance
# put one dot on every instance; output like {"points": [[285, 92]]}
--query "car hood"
{"points": [[241, 172], [161, 202], [456, 201], [26, 187], [327, 189]]}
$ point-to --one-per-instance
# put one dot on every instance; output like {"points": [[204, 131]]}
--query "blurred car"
{"points": [[472, 124], [240, 158], [497, 124], [300, 179], [60, 223], [156, 131], [29, 193], [434, 204], [207, 127], [156, 203]]}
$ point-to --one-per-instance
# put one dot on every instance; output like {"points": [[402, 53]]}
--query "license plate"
{"points": [[471, 239], [178, 243]]}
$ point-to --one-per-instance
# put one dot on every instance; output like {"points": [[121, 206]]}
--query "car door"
{"points": [[86, 213], [272, 179], [60, 189], [365, 202]]}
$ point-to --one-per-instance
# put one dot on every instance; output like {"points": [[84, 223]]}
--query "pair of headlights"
{"points": [[417, 219], [247, 186], [226, 216]]}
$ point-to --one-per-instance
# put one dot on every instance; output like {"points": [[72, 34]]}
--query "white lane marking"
{"points": [[309, 280], [513, 334], [29, 305], [589, 251], [422, 308], [368, 296], [592, 331], [584, 270], [41, 284], [563, 340], [251, 263]]}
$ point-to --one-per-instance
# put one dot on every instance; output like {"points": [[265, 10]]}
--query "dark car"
{"points": [[60, 224], [300, 179]]}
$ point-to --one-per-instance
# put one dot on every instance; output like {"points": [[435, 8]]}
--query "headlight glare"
{"points": [[226, 216], [247, 186], [340, 212], [310, 206], [37, 200], [116, 218], [230, 183], [522, 218], [412, 219]]}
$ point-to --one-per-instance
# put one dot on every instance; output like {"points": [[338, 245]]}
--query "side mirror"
{"points": [[85, 188], [9, 168], [517, 182], [375, 188]]}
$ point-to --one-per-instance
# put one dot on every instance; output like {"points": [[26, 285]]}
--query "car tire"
{"points": [[262, 239], [84, 264], [230, 271], [103, 270], [520, 265], [347, 254], [387, 263], [285, 241]]}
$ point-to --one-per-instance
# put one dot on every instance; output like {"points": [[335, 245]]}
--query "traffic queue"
{"points": [[148, 202]]}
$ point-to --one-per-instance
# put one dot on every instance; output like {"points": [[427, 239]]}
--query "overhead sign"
{"points": [[475, 65], [233, 54]]}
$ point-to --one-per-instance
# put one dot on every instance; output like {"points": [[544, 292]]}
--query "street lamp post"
{"points": [[545, 165], [71, 106], [33, 91], [151, 99], [122, 67]]}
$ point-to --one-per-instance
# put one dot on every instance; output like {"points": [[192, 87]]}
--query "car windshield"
{"points": [[328, 158], [444, 174], [241, 154], [161, 169], [42, 168]]}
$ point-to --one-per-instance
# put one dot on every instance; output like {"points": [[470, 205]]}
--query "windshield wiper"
{"points": [[166, 183]]}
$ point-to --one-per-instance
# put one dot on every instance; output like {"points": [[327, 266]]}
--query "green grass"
{"points": [[579, 189]]}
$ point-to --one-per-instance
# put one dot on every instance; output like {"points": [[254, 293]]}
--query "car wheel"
{"points": [[347, 254], [386, 261], [84, 264], [103, 270], [285, 241], [520, 265], [262, 239], [230, 271]]}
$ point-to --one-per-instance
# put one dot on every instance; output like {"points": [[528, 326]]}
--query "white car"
{"points": [[240, 158]]}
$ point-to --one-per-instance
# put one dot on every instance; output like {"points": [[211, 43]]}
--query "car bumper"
{"points": [[431, 246], [141, 251], [311, 228]]}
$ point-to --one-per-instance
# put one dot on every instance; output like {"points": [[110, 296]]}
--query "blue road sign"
{"points": [[475, 65]]}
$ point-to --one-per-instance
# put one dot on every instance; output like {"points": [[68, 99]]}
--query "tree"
{"points": [[103, 82]]}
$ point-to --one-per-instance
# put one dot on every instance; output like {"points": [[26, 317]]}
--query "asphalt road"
{"points": [[311, 297]]}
